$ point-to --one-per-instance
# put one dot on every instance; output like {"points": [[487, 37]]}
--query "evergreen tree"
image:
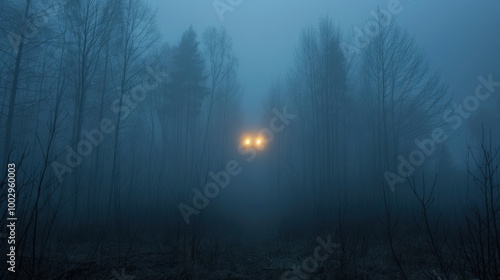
{"points": [[187, 86]]}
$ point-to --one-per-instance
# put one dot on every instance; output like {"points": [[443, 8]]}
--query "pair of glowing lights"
{"points": [[253, 141]]}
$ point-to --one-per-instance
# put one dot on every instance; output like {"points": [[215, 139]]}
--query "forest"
{"points": [[125, 155]]}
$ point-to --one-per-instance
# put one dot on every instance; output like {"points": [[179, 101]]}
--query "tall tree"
{"points": [[404, 96], [138, 36], [319, 93], [14, 87], [185, 94], [222, 65]]}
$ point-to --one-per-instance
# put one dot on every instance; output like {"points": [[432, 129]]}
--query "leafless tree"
{"points": [[405, 97]]}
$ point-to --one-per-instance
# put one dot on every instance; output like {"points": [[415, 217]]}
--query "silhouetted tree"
{"points": [[405, 97]]}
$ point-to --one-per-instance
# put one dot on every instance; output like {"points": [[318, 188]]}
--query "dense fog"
{"points": [[234, 139]]}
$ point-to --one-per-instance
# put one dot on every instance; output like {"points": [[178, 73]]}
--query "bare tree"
{"points": [[15, 82], [221, 64], [318, 85], [138, 35], [404, 96]]}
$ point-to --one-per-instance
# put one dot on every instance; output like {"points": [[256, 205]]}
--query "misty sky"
{"points": [[458, 38]]}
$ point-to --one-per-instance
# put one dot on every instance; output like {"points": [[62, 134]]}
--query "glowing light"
{"points": [[247, 141], [258, 142]]}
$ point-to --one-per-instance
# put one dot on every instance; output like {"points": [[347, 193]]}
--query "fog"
{"points": [[234, 139]]}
